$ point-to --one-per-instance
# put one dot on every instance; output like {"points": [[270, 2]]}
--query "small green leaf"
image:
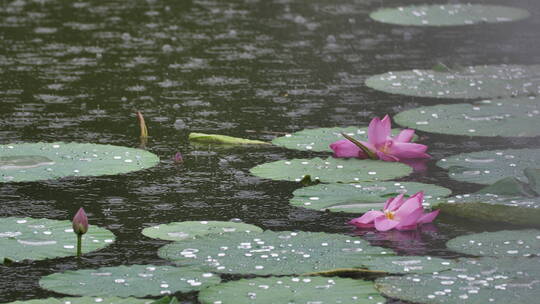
{"points": [[223, 139]]}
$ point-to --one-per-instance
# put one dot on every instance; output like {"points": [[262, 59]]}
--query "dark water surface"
{"points": [[78, 71]]}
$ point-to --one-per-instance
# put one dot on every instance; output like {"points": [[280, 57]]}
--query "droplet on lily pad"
{"points": [[483, 280], [484, 81], [448, 14], [125, 281], [273, 253], [514, 117], [39, 239], [507, 243], [362, 197], [487, 167], [184, 230], [43, 161], [332, 170], [85, 300], [292, 290], [319, 140]]}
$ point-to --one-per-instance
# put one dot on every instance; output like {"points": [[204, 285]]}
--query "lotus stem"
{"points": [[79, 245], [142, 125]]}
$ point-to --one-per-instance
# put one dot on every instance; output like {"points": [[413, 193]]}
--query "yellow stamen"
{"points": [[389, 214]]}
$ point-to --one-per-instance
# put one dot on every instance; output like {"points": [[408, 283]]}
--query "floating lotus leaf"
{"points": [[125, 281], [85, 300], [183, 230], [498, 208], [488, 81], [276, 253], [39, 239], [487, 167], [509, 117], [332, 170], [319, 140], [409, 264], [223, 139], [448, 14], [478, 281], [362, 197], [508, 243], [292, 290], [42, 161]]}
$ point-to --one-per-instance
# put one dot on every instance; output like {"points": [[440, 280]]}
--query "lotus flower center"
{"points": [[386, 147], [389, 214]]}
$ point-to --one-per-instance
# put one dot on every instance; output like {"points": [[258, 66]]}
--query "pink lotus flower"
{"points": [[80, 222], [381, 145], [397, 213]]}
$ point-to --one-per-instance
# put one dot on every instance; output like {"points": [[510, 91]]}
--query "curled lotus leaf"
{"points": [[39, 239], [43, 161], [448, 14]]}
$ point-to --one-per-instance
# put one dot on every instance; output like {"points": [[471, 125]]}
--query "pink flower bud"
{"points": [[80, 222], [178, 158]]}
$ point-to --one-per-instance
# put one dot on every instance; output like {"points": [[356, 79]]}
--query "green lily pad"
{"points": [[183, 230], [409, 264], [319, 140], [487, 81], [276, 253], [479, 281], [487, 167], [125, 281], [42, 161], [508, 243], [292, 290], [502, 117], [223, 139], [515, 210], [39, 239], [362, 197], [85, 300], [332, 170], [448, 14]]}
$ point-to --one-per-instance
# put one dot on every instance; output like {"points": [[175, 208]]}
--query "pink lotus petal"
{"points": [[405, 228], [388, 203], [405, 136], [345, 148], [412, 204], [367, 218], [428, 217], [384, 224], [408, 150], [396, 203], [379, 131], [386, 157], [411, 219]]}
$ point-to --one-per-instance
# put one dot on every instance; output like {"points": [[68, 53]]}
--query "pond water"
{"points": [[79, 71]]}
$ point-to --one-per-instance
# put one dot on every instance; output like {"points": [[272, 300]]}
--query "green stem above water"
{"points": [[79, 245]]}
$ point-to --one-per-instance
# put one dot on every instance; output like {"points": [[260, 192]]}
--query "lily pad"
{"points": [[183, 230], [292, 290], [332, 170], [448, 14], [508, 243], [39, 239], [513, 117], [362, 197], [517, 210], [125, 281], [485, 81], [223, 139], [86, 300], [487, 167], [409, 264], [42, 161], [276, 253], [319, 140], [485, 280]]}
